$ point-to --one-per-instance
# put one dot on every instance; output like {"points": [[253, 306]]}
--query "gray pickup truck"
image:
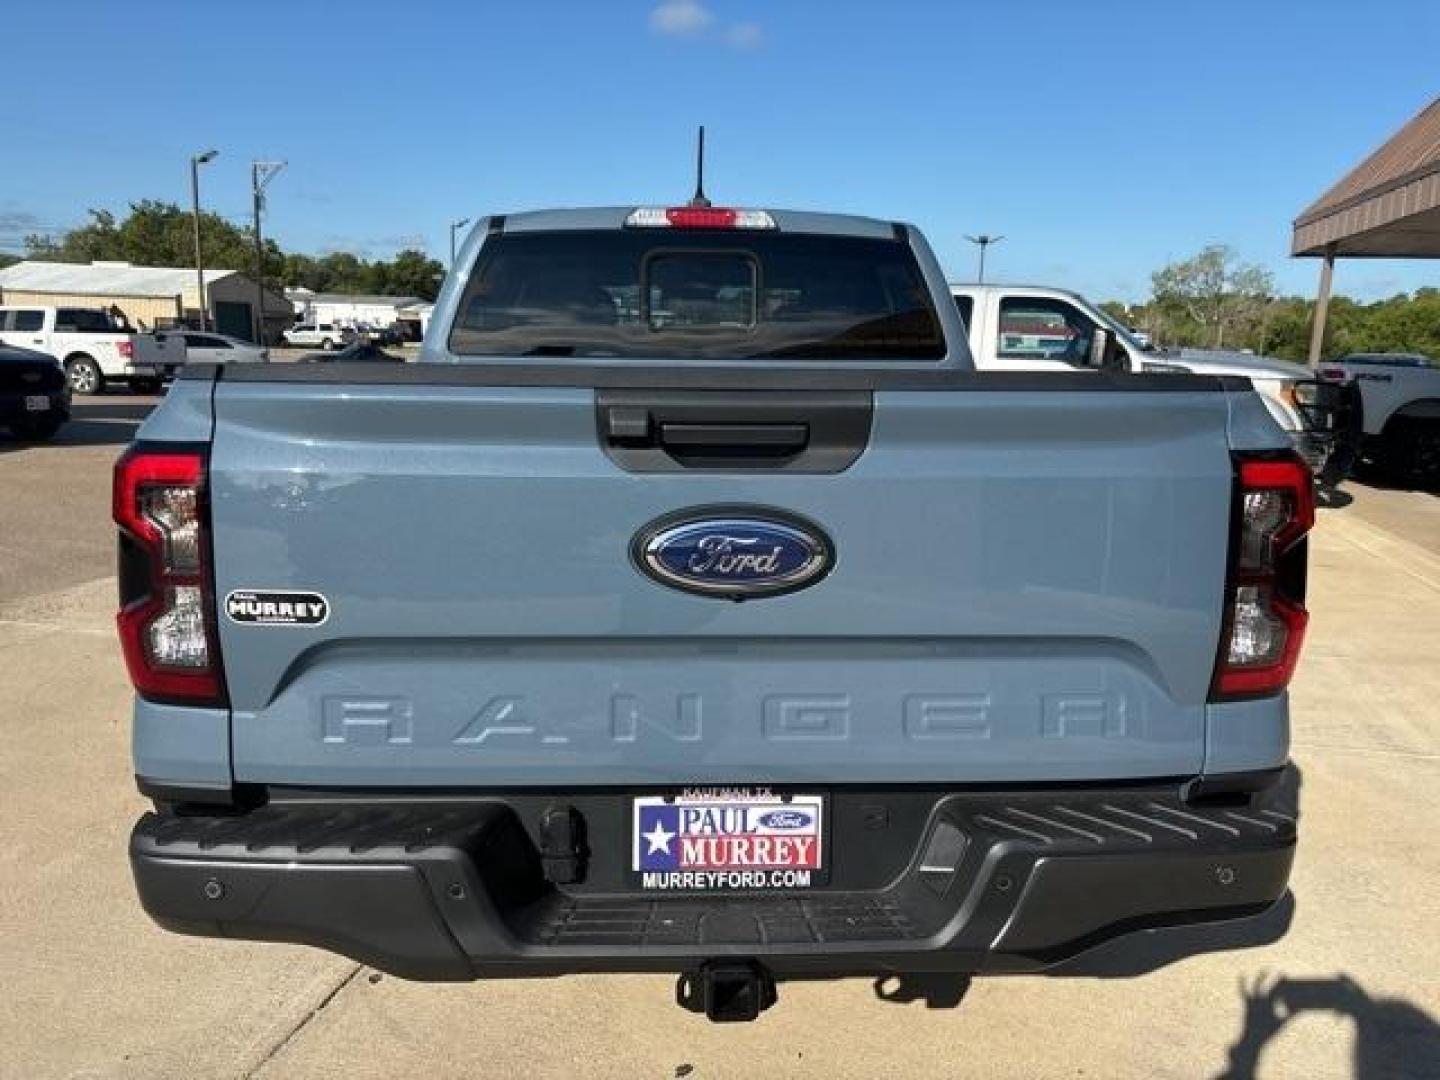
{"points": [[694, 606]]}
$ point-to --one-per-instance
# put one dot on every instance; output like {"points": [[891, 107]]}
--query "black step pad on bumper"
{"points": [[456, 888]]}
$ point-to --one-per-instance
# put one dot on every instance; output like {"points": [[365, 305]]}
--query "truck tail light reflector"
{"points": [[167, 604], [126, 349], [1265, 615], [698, 217]]}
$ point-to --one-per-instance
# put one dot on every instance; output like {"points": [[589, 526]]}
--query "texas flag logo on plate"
{"points": [[703, 842]]}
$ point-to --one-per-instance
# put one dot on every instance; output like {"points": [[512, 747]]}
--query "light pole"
{"points": [[984, 240], [196, 160], [261, 173], [456, 226]]}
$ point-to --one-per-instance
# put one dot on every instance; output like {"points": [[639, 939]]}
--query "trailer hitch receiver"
{"points": [[727, 991]]}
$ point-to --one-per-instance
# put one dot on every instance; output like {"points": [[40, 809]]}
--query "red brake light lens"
{"points": [[167, 614], [698, 217], [126, 349], [1265, 616], [1277, 508]]}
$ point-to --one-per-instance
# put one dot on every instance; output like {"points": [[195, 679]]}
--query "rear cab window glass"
{"points": [[84, 321], [696, 294], [1041, 328]]}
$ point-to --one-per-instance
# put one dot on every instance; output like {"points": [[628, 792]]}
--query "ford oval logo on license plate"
{"points": [[734, 553]]}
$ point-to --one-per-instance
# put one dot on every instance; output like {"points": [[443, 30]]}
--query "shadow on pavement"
{"points": [[1377, 476], [1393, 1038]]}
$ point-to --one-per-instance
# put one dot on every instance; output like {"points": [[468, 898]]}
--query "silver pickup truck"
{"points": [[695, 606]]}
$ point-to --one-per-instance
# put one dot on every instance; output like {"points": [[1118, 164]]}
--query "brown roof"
{"points": [[1389, 204]]}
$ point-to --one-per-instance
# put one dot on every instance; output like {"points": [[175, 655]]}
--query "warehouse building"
{"points": [[150, 297]]}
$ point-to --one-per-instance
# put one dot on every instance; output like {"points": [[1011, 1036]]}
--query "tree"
{"points": [[1121, 313], [410, 273], [158, 233], [413, 273], [1214, 290]]}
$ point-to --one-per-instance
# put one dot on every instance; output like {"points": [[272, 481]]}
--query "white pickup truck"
{"points": [[1400, 393], [325, 335], [1041, 328], [92, 348]]}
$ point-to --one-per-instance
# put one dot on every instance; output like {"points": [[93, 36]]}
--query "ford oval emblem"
{"points": [[785, 819], [734, 553]]}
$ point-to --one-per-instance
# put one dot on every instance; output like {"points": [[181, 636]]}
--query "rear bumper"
{"points": [[157, 370], [959, 881], [13, 407]]}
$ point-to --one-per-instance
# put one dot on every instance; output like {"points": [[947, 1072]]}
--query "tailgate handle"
{"points": [[787, 431], [720, 438]]}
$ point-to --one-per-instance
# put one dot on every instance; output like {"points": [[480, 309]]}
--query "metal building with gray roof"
{"points": [[155, 297]]}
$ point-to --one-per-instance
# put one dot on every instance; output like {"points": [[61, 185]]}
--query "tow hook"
{"points": [[727, 991]]}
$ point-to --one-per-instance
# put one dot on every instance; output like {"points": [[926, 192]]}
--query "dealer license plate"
{"points": [[37, 403], [704, 840]]}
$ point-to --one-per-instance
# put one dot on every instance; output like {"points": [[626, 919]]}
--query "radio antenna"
{"points": [[699, 198]]}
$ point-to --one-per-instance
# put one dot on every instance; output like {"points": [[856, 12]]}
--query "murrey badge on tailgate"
{"points": [[733, 552], [270, 607]]}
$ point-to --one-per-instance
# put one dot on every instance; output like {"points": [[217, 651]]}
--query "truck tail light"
{"points": [[126, 349], [698, 217], [167, 595], [1265, 613]]}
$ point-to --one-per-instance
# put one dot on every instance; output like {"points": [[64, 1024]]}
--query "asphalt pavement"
{"points": [[1336, 981]]}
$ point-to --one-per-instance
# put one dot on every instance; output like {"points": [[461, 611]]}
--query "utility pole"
{"points": [[984, 240], [261, 173], [196, 160], [456, 226]]}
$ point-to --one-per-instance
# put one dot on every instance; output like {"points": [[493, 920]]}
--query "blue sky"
{"points": [[1101, 139]]}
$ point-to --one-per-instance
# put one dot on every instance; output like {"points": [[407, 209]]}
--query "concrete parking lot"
{"points": [[1339, 980]]}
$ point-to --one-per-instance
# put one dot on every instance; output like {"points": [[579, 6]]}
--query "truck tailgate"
{"points": [[1026, 585]]}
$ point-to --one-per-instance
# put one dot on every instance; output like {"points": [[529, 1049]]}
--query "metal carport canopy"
{"points": [[1388, 206]]}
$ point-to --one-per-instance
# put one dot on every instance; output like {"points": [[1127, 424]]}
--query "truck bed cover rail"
{"points": [[759, 376]]}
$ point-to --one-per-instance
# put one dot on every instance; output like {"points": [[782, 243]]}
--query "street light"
{"points": [[261, 173], [456, 226], [196, 160], [984, 240]]}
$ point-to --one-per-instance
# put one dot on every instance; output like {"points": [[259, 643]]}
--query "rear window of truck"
{"points": [[696, 295], [84, 321]]}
